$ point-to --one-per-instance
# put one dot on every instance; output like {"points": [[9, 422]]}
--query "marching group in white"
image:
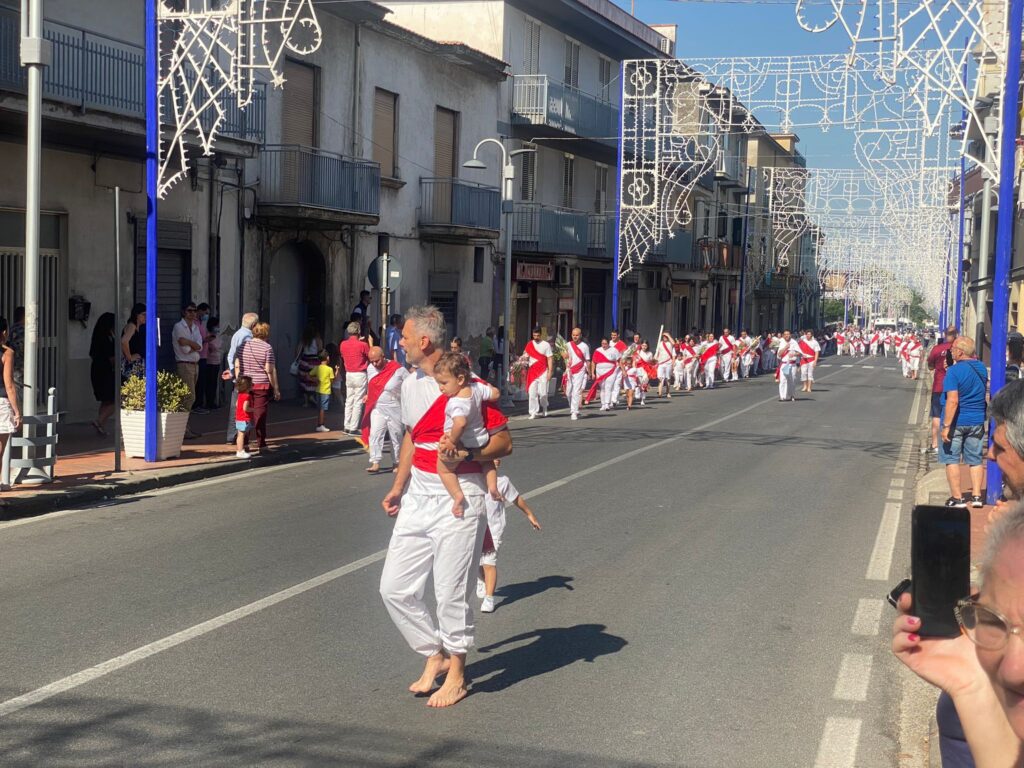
{"points": [[907, 348]]}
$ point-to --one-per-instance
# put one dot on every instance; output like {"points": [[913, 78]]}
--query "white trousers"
{"points": [[727, 366], [609, 389], [806, 371], [787, 381], [874, 350], [538, 393], [839, 349], [385, 419], [355, 391], [575, 384], [745, 362], [428, 539], [618, 386], [664, 374], [709, 373]]}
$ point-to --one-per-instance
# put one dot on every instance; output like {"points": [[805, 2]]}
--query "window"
{"points": [[528, 175], [601, 189], [568, 180], [445, 143], [703, 220], [301, 104], [723, 225], [531, 47], [385, 131], [604, 78], [572, 63], [478, 264]]}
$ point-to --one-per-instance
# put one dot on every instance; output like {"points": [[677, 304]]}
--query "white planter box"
{"points": [[171, 436]]}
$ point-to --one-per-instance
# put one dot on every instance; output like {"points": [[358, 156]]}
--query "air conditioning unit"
{"points": [[564, 277]]}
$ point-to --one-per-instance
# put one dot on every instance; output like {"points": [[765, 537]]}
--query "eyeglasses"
{"points": [[984, 626]]}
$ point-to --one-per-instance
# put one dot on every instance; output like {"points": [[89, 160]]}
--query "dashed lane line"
{"points": [[854, 677], [838, 747], [868, 616]]}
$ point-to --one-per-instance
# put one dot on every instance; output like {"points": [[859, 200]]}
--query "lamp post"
{"points": [[508, 175]]}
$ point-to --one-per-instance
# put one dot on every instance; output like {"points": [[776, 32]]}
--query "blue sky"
{"points": [[722, 29]]}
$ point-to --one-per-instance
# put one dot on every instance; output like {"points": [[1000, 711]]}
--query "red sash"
{"points": [[599, 358], [724, 342], [621, 346], [578, 366], [373, 392], [840, 338], [708, 353], [807, 350], [538, 368], [430, 428], [874, 339], [652, 370], [668, 350], [688, 351]]}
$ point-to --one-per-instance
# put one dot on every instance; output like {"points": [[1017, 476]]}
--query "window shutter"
{"points": [[572, 63], [604, 76], [298, 124], [601, 189], [568, 180], [444, 143], [531, 48], [528, 177], [385, 106]]}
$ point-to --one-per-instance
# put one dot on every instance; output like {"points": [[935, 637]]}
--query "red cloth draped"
{"points": [[599, 358], [708, 353], [373, 392], [806, 350], [430, 429], [538, 367], [582, 361]]}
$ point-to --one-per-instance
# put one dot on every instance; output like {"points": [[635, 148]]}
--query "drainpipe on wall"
{"points": [[356, 64], [213, 252]]}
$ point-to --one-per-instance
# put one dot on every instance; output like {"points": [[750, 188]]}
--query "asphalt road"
{"points": [[691, 602]]}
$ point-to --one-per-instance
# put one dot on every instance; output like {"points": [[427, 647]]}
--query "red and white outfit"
{"points": [[664, 356], [606, 375], [537, 376], [383, 412], [809, 351], [746, 353], [873, 343], [427, 538], [496, 520], [636, 379], [576, 375], [689, 366], [727, 348], [708, 363], [789, 366], [911, 356], [840, 338], [622, 348]]}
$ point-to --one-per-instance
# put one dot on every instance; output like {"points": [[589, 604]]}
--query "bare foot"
{"points": [[459, 507], [452, 692], [373, 469], [436, 666]]}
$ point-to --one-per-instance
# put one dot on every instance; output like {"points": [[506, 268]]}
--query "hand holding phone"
{"points": [[940, 565]]}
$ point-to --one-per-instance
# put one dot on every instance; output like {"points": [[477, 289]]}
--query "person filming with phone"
{"points": [[962, 432]]}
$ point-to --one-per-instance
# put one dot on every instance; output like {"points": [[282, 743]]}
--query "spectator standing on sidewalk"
{"points": [[202, 318], [361, 316], [393, 346], [323, 375], [257, 361], [10, 414], [101, 370], [937, 364], [238, 340], [963, 421], [355, 355], [133, 344], [486, 354], [243, 415], [188, 342], [1007, 448], [214, 361]]}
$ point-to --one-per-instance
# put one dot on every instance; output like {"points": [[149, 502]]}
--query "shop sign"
{"points": [[533, 271]]}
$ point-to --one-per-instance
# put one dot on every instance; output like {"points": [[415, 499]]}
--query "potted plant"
{"points": [[171, 392]]}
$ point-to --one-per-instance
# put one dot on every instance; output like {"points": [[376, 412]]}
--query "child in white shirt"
{"points": [[464, 422], [678, 372]]}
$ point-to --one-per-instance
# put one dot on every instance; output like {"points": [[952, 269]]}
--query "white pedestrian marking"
{"points": [[854, 677], [894, 495], [868, 367], [131, 657], [897, 482], [848, 365], [868, 616], [885, 541], [838, 748], [825, 365]]}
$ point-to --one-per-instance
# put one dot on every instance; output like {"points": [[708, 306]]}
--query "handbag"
{"points": [[293, 369]]}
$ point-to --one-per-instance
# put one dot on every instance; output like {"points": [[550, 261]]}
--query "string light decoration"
{"points": [[216, 50]]}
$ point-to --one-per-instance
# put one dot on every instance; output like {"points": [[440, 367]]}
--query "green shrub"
{"points": [[171, 391]]}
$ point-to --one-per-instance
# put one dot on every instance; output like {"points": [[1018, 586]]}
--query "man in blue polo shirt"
{"points": [[965, 393]]}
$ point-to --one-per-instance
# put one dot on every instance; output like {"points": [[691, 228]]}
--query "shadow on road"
{"points": [[550, 649], [513, 593]]}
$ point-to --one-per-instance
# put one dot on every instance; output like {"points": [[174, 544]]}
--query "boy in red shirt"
{"points": [[243, 416]]}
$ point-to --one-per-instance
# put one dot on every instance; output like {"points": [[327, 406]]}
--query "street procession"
{"points": [[512, 383]]}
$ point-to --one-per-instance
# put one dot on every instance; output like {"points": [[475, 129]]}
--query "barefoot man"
{"points": [[382, 411], [427, 539]]}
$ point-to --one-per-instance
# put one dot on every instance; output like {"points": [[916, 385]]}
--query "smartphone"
{"points": [[940, 566]]}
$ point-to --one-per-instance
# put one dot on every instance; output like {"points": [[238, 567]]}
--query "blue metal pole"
{"points": [[960, 252], [618, 197], [944, 309], [738, 325], [1006, 219], [152, 171]]}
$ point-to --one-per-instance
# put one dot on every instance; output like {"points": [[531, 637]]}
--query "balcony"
{"points": [[676, 250], [456, 211], [94, 73], [600, 236], [545, 229], [541, 101], [322, 189], [731, 170]]}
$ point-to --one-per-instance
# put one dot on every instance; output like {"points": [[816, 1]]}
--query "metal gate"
{"points": [[51, 300]]}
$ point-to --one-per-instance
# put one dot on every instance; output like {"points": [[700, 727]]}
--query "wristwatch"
{"points": [[469, 454]]}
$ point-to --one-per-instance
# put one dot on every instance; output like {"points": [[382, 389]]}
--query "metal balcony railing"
{"points": [[455, 203], [546, 229], [677, 250], [303, 176], [541, 100], [95, 72], [732, 167], [601, 236]]}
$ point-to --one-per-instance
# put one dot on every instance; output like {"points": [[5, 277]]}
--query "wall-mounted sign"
{"points": [[539, 272]]}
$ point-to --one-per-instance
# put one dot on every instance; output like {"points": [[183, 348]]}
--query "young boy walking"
{"points": [[323, 374], [243, 416]]}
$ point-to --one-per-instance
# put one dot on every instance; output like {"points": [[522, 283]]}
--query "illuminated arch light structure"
{"points": [[212, 50]]}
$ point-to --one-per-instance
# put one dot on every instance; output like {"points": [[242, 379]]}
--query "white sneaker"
{"points": [[487, 606], [243, 455], [323, 428], [533, 415], [545, 414], [481, 589], [575, 417]]}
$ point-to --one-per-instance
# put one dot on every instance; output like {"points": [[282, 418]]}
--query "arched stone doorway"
{"points": [[298, 279]]}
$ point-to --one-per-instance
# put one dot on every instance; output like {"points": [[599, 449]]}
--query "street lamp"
{"points": [[508, 176]]}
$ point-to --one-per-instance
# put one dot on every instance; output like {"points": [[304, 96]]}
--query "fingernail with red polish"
{"points": [[914, 620], [913, 638]]}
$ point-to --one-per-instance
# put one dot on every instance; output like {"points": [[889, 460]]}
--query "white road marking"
{"points": [[825, 365], [838, 748], [868, 616], [897, 482], [912, 419], [854, 677], [900, 469], [868, 367], [151, 649], [885, 542], [894, 495], [848, 366]]}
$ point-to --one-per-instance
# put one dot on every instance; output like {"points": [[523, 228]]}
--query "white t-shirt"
{"points": [[812, 343], [788, 352], [475, 434], [542, 348], [392, 393], [184, 354], [584, 350], [496, 509], [612, 355], [419, 393]]}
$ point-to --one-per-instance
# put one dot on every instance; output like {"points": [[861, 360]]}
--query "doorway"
{"points": [[298, 275]]}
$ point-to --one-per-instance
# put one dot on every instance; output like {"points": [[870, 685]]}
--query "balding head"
{"points": [[376, 357], [249, 319]]}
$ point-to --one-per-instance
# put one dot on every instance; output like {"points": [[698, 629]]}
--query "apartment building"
{"points": [[562, 100]]}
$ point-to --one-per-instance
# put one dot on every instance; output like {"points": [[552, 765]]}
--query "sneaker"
{"points": [[533, 415], [575, 417], [487, 605], [545, 414], [322, 428], [481, 589], [977, 502], [243, 455], [953, 501]]}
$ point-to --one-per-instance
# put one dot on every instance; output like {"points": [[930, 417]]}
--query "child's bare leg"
{"points": [[490, 576], [240, 442], [451, 484], [491, 476]]}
